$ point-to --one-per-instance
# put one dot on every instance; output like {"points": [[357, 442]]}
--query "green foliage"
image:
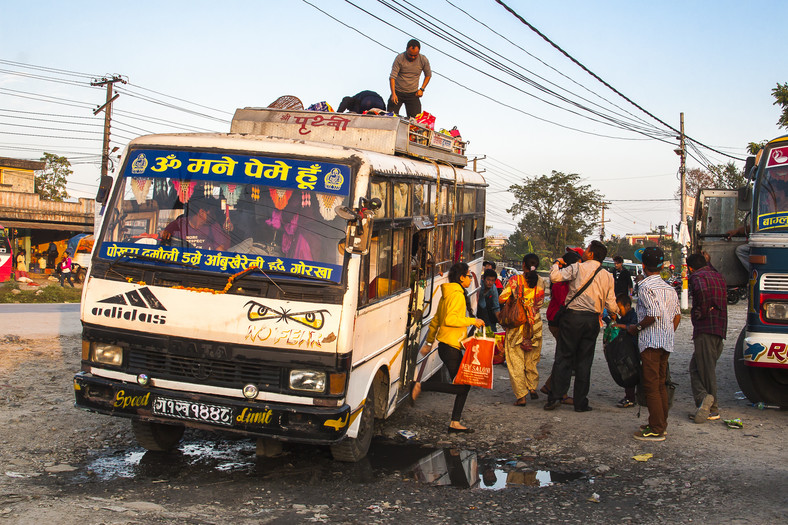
{"points": [[780, 94], [53, 293], [755, 147], [557, 211], [719, 176], [51, 181]]}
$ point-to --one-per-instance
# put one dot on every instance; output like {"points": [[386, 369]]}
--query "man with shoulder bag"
{"points": [[590, 291]]}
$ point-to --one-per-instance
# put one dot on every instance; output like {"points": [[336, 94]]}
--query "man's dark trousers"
{"points": [[577, 333], [412, 104]]}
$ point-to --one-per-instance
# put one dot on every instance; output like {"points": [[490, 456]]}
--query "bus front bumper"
{"points": [[766, 349], [297, 423]]}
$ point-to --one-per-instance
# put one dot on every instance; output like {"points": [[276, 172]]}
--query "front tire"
{"points": [[768, 385], [156, 437], [352, 450]]}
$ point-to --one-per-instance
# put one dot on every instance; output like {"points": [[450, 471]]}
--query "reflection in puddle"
{"points": [[435, 466], [462, 468], [220, 456]]}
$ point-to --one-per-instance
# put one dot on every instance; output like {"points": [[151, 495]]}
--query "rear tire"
{"points": [[81, 274], [733, 296], [156, 437], [352, 450]]}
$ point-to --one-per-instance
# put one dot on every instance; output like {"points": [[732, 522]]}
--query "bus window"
{"points": [[773, 200], [399, 260], [420, 199], [467, 236], [433, 195], [401, 194], [378, 190], [380, 265], [479, 236], [444, 200], [468, 201]]}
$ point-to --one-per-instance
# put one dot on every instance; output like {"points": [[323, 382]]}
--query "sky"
{"points": [[190, 64]]}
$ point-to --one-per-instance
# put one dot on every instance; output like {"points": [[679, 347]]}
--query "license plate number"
{"points": [[180, 409]]}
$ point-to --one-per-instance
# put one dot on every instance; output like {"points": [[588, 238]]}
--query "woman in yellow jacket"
{"points": [[449, 327]]}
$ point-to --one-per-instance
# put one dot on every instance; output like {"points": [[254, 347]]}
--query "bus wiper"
{"points": [[235, 278]]}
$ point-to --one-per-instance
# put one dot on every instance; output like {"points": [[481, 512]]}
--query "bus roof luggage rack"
{"points": [[384, 134]]}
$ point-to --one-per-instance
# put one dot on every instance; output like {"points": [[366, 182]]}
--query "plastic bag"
{"points": [[426, 119], [476, 368]]}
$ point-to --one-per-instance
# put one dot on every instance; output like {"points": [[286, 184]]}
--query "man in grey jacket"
{"points": [[404, 80]]}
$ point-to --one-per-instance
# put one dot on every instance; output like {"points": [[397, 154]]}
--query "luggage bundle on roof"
{"points": [[380, 133]]}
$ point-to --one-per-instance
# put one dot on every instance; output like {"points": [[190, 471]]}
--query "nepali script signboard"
{"points": [[305, 175]]}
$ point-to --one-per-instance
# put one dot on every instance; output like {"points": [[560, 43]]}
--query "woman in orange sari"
{"points": [[524, 342]]}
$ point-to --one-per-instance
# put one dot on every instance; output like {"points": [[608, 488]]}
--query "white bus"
{"points": [[276, 281]]}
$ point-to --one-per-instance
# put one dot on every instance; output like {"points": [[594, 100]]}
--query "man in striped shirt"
{"points": [[658, 317]]}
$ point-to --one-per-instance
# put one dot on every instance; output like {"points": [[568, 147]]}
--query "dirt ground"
{"points": [[66, 466]]}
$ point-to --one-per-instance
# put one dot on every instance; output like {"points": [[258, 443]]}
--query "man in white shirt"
{"points": [[659, 315], [579, 326]]}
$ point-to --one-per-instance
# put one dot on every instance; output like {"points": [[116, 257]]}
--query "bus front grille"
{"points": [[774, 282], [216, 372]]}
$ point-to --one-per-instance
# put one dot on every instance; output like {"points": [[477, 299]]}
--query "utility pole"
{"points": [[474, 163], [682, 153], [603, 221], [107, 108]]}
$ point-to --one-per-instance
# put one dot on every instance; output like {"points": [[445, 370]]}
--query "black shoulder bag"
{"points": [[562, 309]]}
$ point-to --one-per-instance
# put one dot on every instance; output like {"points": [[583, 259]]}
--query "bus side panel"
{"points": [[378, 337]]}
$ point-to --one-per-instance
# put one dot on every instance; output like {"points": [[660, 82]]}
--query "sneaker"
{"points": [[702, 413], [644, 427], [712, 417], [646, 434], [625, 403]]}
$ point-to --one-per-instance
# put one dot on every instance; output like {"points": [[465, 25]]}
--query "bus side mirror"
{"points": [[745, 198], [358, 235], [749, 164], [103, 192]]}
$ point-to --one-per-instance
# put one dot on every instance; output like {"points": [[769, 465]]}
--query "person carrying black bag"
{"points": [[590, 291]]}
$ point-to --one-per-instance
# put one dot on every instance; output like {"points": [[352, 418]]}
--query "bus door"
{"points": [[716, 213], [420, 273]]}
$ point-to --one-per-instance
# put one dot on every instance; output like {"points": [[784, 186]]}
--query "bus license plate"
{"points": [[177, 408]]}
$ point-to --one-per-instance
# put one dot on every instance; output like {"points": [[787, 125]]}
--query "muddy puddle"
{"points": [[217, 460]]}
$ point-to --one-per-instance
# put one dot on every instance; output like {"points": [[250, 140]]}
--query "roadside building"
{"points": [[31, 223]]}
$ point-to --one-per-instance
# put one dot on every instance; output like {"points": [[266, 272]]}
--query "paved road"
{"points": [[36, 321]]}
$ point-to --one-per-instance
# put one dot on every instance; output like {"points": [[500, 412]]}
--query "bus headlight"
{"points": [[776, 311], [107, 354], [308, 380]]}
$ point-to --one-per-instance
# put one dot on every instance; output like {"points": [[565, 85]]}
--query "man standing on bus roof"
{"points": [[622, 277], [709, 325], [404, 80]]}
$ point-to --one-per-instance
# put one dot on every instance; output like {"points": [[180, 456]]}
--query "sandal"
{"points": [[521, 402], [534, 395], [567, 401]]}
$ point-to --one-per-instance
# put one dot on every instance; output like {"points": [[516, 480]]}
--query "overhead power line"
{"points": [[584, 68]]}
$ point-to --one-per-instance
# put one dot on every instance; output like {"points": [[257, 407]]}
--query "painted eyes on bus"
{"points": [[259, 312]]}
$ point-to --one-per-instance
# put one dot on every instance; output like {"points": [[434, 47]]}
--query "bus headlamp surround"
{"points": [[776, 311], [308, 380], [107, 354]]}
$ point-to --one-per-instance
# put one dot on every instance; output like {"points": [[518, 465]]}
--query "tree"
{"points": [[780, 94], [755, 147], [557, 210], [719, 176], [51, 181]]}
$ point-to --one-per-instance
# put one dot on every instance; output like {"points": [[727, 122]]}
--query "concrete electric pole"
{"points": [[107, 108], [682, 152]]}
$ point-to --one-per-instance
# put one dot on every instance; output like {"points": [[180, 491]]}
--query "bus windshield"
{"points": [[772, 199], [225, 213]]}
